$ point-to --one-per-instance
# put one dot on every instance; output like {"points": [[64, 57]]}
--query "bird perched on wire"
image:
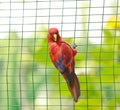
{"points": [[62, 56]]}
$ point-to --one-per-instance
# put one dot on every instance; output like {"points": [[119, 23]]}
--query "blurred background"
{"points": [[28, 79]]}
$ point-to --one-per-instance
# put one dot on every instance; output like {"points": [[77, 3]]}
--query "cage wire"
{"points": [[28, 79]]}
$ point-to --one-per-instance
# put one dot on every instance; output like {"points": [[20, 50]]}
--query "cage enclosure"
{"points": [[28, 79]]}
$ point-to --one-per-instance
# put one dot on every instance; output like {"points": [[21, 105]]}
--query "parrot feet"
{"points": [[74, 45]]}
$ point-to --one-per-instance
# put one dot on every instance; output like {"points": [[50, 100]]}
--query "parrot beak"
{"points": [[55, 37]]}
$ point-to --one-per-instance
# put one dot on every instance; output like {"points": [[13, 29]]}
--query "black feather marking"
{"points": [[70, 77]]}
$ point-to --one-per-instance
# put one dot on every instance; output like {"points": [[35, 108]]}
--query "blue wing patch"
{"points": [[59, 64]]}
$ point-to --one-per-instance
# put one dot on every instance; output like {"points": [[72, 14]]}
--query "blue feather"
{"points": [[59, 64]]}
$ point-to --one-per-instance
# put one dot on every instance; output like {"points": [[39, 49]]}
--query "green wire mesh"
{"points": [[28, 79]]}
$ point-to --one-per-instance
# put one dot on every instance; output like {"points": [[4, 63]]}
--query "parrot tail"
{"points": [[74, 88]]}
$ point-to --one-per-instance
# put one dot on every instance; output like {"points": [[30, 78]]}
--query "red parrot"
{"points": [[62, 56]]}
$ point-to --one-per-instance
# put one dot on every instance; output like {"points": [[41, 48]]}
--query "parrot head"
{"points": [[53, 34]]}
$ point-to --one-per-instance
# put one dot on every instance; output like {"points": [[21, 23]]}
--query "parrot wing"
{"points": [[63, 58]]}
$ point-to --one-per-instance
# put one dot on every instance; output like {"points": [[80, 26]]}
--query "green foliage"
{"points": [[9, 50]]}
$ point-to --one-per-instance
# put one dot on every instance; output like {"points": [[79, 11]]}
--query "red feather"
{"points": [[62, 56]]}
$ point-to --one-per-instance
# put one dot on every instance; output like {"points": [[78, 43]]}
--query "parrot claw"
{"points": [[74, 46]]}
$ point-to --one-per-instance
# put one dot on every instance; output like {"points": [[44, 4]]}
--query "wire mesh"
{"points": [[28, 79]]}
